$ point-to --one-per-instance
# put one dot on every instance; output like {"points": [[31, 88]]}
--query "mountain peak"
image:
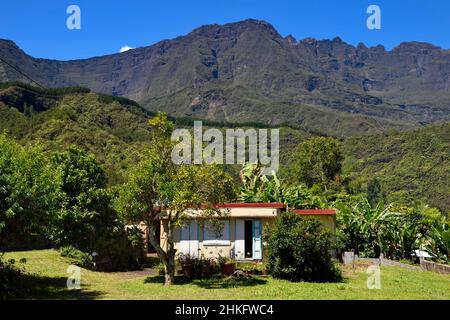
{"points": [[415, 47], [239, 26], [8, 43]]}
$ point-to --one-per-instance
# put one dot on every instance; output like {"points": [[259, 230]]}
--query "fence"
{"points": [[435, 267], [351, 257]]}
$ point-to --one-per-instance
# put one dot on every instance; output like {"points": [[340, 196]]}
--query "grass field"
{"points": [[50, 271]]}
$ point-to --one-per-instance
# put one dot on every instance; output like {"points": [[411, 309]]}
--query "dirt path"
{"points": [[136, 274]]}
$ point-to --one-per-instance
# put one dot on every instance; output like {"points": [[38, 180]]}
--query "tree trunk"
{"points": [[170, 272], [167, 256], [170, 254]]}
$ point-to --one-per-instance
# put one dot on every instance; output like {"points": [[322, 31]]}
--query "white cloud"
{"points": [[125, 48]]}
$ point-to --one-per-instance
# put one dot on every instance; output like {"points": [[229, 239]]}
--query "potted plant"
{"points": [[262, 269], [265, 271], [206, 270], [246, 268], [227, 265], [202, 267], [161, 269], [187, 264]]}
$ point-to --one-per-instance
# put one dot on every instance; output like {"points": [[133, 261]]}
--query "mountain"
{"points": [[246, 71], [411, 166], [114, 129]]}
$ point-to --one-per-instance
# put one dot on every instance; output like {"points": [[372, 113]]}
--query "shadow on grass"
{"points": [[151, 262], [211, 283], [49, 288]]}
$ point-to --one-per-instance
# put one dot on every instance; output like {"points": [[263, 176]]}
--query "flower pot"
{"points": [[256, 272], [206, 271], [188, 270], [228, 269]]}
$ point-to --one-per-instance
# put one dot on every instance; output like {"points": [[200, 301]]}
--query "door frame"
{"points": [[252, 237], [259, 257]]}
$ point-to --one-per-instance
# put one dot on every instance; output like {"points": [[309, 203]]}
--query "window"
{"points": [[216, 235]]}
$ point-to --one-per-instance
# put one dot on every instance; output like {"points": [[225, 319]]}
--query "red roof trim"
{"points": [[274, 205], [316, 211]]}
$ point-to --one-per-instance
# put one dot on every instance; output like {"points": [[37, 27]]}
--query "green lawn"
{"points": [[396, 283]]}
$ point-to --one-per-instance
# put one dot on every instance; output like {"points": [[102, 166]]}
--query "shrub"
{"points": [[78, 257], [86, 219], [299, 249], [161, 269], [119, 251], [194, 264], [13, 280]]}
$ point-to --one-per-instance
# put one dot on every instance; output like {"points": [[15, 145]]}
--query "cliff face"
{"points": [[246, 71]]}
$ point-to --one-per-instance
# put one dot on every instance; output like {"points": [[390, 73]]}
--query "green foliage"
{"points": [[394, 231], [63, 199], [298, 249], [114, 130], [363, 228], [257, 187], [410, 166], [55, 92], [161, 268], [79, 258], [13, 281], [375, 193], [86, 219], [84, 210], [196, 264], [29, 191], [317, 161], [439, 242], [160, 191]]}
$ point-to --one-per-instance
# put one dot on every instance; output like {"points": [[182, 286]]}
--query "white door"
{"points": [[257, 244]]}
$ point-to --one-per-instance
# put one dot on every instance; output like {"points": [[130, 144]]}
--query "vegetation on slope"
{"points": [[411, 166]]}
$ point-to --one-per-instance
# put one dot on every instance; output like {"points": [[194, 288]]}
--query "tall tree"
{"points": [[29, 191], [317, 160], [375, 193], [84, 210], [86, 218], [160, 191]]}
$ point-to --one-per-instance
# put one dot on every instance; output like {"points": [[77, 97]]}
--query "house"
{"points": [[239, 232]]}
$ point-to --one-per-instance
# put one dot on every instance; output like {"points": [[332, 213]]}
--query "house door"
{"points": [[257, 247], [189, 239], [248, 239], [252, 240]]}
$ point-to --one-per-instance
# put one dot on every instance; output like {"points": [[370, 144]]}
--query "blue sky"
{"points": [[39, 27]]}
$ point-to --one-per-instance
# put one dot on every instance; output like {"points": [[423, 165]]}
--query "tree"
{"points": [[392, 230], [257, 187], [299, 249], [367, 230], [84, 208], [375, 193], [160, 191], [29, 192], [86, 219], [317, 161]]}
